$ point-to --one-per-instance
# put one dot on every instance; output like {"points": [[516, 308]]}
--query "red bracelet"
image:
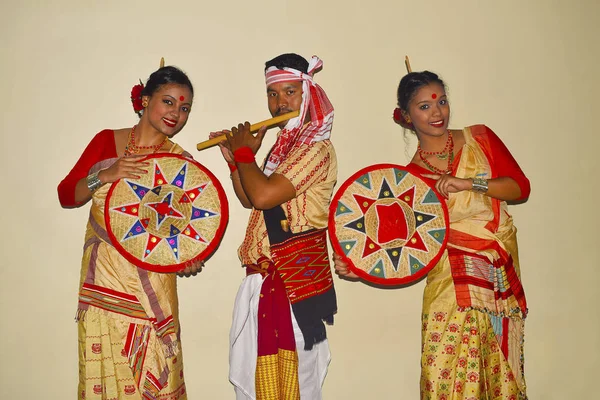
{"points": [[244, 155], [232, 167]]}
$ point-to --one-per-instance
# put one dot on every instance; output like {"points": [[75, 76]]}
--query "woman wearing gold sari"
{"points": [[128, 324], [474, 304]]}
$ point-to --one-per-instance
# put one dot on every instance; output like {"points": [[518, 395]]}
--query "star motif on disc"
{"points": [[164, 209], [389, 224], [172, 208], [171, 216]]}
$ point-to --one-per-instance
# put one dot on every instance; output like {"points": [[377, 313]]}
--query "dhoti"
{"points": [[312, 364]]}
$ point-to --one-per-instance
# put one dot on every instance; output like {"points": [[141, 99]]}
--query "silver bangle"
{"points": [[93, 182], [480, 185]]}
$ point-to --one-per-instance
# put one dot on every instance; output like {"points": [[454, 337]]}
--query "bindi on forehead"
{"points": [[434, 96], [181, 98]]}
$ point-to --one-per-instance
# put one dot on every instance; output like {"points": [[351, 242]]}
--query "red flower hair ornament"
{"points": [[400, 120], [136, 98]]}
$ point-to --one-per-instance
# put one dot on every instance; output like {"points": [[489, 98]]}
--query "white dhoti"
{"points": [[243, 338]]}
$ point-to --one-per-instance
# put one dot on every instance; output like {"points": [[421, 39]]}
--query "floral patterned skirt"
{"points": [[467, 354], [105, 372]]}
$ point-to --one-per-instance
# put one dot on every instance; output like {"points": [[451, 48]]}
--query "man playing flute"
{"points": [[278, 344]]}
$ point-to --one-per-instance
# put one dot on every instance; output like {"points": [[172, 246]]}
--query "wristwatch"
{"points": [[480, 185], [93, 182]]}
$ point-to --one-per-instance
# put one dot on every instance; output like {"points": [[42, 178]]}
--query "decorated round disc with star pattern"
{"points": [[388, 224], [169, 218]]}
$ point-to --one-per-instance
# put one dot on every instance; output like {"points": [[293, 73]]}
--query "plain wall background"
{"points": [[526, 69]]}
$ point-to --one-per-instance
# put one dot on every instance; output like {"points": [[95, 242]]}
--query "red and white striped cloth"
{"points": [[313, 99]]}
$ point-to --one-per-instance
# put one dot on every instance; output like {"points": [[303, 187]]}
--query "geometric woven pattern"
{"points": [[172, 216], [388, 224]]}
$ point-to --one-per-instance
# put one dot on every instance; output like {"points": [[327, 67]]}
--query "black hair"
{"points": [[165, 76], [288, 60], [411, 83]]}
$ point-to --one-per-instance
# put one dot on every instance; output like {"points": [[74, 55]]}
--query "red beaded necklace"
{"points": [[446, 153], [442, 155], [132, 148]]}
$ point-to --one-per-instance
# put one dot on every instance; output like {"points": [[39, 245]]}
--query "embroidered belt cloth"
{"points": [[300, 274]]}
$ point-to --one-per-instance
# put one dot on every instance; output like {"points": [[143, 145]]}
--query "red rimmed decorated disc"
{"points": [[169, 218], [389, 224]]}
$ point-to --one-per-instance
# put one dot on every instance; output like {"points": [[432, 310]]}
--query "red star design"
{"points": [[164, 209]]}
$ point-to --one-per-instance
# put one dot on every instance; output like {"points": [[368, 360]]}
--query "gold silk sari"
{"points": [[128, 321], [474, 304]]}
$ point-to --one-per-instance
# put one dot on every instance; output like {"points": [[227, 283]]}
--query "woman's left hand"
{"points": [[447, 183], [191, 270]]}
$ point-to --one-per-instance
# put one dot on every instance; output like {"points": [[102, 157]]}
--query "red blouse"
{"points": [[502, 162], [101, 147]]}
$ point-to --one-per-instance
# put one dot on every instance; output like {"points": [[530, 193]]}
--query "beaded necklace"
{"points": [[132, 148], [446, 153], [441, 155]]}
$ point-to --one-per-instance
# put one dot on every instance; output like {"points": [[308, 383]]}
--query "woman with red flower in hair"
{"points": [[475, 289], [127, 317]]}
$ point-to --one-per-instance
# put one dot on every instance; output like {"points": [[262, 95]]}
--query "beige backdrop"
{"points": [[526, 69]]}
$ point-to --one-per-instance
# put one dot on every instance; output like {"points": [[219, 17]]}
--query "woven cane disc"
{"points": [[388, 224], [169, 218]]}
